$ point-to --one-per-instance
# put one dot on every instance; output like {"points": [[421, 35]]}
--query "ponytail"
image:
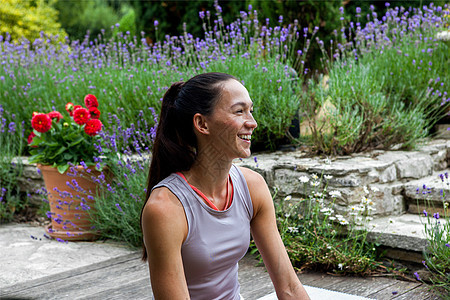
{"points": [[174, 148]]}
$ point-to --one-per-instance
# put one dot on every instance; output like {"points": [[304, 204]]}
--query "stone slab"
{"points": [[434, 189], [26, 254], [403, 232]]}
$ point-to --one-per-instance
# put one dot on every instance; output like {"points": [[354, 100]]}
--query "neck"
{"points": [[210, 175]]}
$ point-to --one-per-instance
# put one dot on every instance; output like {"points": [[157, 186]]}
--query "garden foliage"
{"points": [[317, 234], [437, 232], [28, 19], [11, 143]]}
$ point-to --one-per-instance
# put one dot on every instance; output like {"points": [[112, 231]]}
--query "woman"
{"points": [[201, 208]]}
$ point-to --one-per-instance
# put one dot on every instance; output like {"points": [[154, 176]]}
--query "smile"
{"points": [[246, 137]]}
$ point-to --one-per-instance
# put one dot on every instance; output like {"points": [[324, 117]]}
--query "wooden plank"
{"points": [[395, 290], [137, 290], [128, 277], [63, 275], [361, 286], [308, 278], [74, 281], [420, 292], [326, 281]]}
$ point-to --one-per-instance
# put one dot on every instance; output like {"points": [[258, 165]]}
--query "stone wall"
{"points": [[394, 174]]}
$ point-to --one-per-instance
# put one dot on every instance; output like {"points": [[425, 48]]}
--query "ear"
{"points": [[200, 123]]}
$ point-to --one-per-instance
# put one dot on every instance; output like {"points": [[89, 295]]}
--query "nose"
{"points": [[251, 122]]}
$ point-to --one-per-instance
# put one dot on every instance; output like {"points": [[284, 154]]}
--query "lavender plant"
{"points": [[387, 82], [10, 146], [117, 208], [132, 74], [437, 232]]}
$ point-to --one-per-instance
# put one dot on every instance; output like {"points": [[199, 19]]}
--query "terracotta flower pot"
{"points": [[71, 201]]}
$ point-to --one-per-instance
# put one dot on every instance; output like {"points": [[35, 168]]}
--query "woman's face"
{"points": [[231, 123]]}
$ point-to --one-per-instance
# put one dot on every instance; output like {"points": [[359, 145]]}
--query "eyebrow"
{"points": [[241, 104]]}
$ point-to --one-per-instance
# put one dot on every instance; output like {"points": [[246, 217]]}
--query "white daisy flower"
{"points": [[343, 222], [328, 177], [287, 198], [335, 194], [314, 176], [365, 190], [315, 183], [303, 179]]}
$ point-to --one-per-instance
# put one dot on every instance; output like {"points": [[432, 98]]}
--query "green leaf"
{"points": [[61, 150], [68, 156], [76, 142], [62, 168]]}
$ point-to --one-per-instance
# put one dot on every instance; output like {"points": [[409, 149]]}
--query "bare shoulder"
{"points": [[162, 201], [253, 178], [163, 212], [259, 191]]}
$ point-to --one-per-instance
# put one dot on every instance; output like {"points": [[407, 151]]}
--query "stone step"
{"points": [[429, 193], [404, 233]]}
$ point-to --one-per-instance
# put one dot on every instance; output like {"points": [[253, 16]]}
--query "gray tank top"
{"points": [[216, 240]]}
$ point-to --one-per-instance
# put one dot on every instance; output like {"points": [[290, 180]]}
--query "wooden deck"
{"points": [[127, 277]]}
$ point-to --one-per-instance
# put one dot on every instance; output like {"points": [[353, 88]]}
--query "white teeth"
{"points": [[246, 137]]}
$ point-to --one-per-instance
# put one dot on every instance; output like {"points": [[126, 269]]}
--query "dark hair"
{"points": [[174, 148]]}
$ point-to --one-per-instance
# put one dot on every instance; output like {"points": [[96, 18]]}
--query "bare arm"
{"points": [[267, 238], [164, 228]]}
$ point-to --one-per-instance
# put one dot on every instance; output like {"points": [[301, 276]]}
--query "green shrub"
{"points": [[437, 232], [318, 236], [10, 171], [27, 19], [386, 85]]}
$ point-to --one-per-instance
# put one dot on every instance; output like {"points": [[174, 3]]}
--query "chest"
{"points": [[215, 243]]}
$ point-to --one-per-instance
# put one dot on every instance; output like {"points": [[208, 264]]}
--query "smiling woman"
{"points": [[200, 208]]}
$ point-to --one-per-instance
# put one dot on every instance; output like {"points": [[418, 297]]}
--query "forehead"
{"points": [[233, 92]]}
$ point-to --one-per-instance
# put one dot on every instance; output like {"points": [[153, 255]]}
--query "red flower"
{"points": [[76, 107], [93, 127], [30, 139], [41, 122], [55, 115], [70, 107], [94, 112], [90, 101], [81, 116]]}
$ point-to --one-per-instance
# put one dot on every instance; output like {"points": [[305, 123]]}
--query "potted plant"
{"points": [[66, 150]]}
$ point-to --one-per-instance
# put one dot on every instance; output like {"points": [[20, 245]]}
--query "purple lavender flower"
{"points": [[119, 208], [425, 213], [417, 276], [447, 245], [436, 216]]}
